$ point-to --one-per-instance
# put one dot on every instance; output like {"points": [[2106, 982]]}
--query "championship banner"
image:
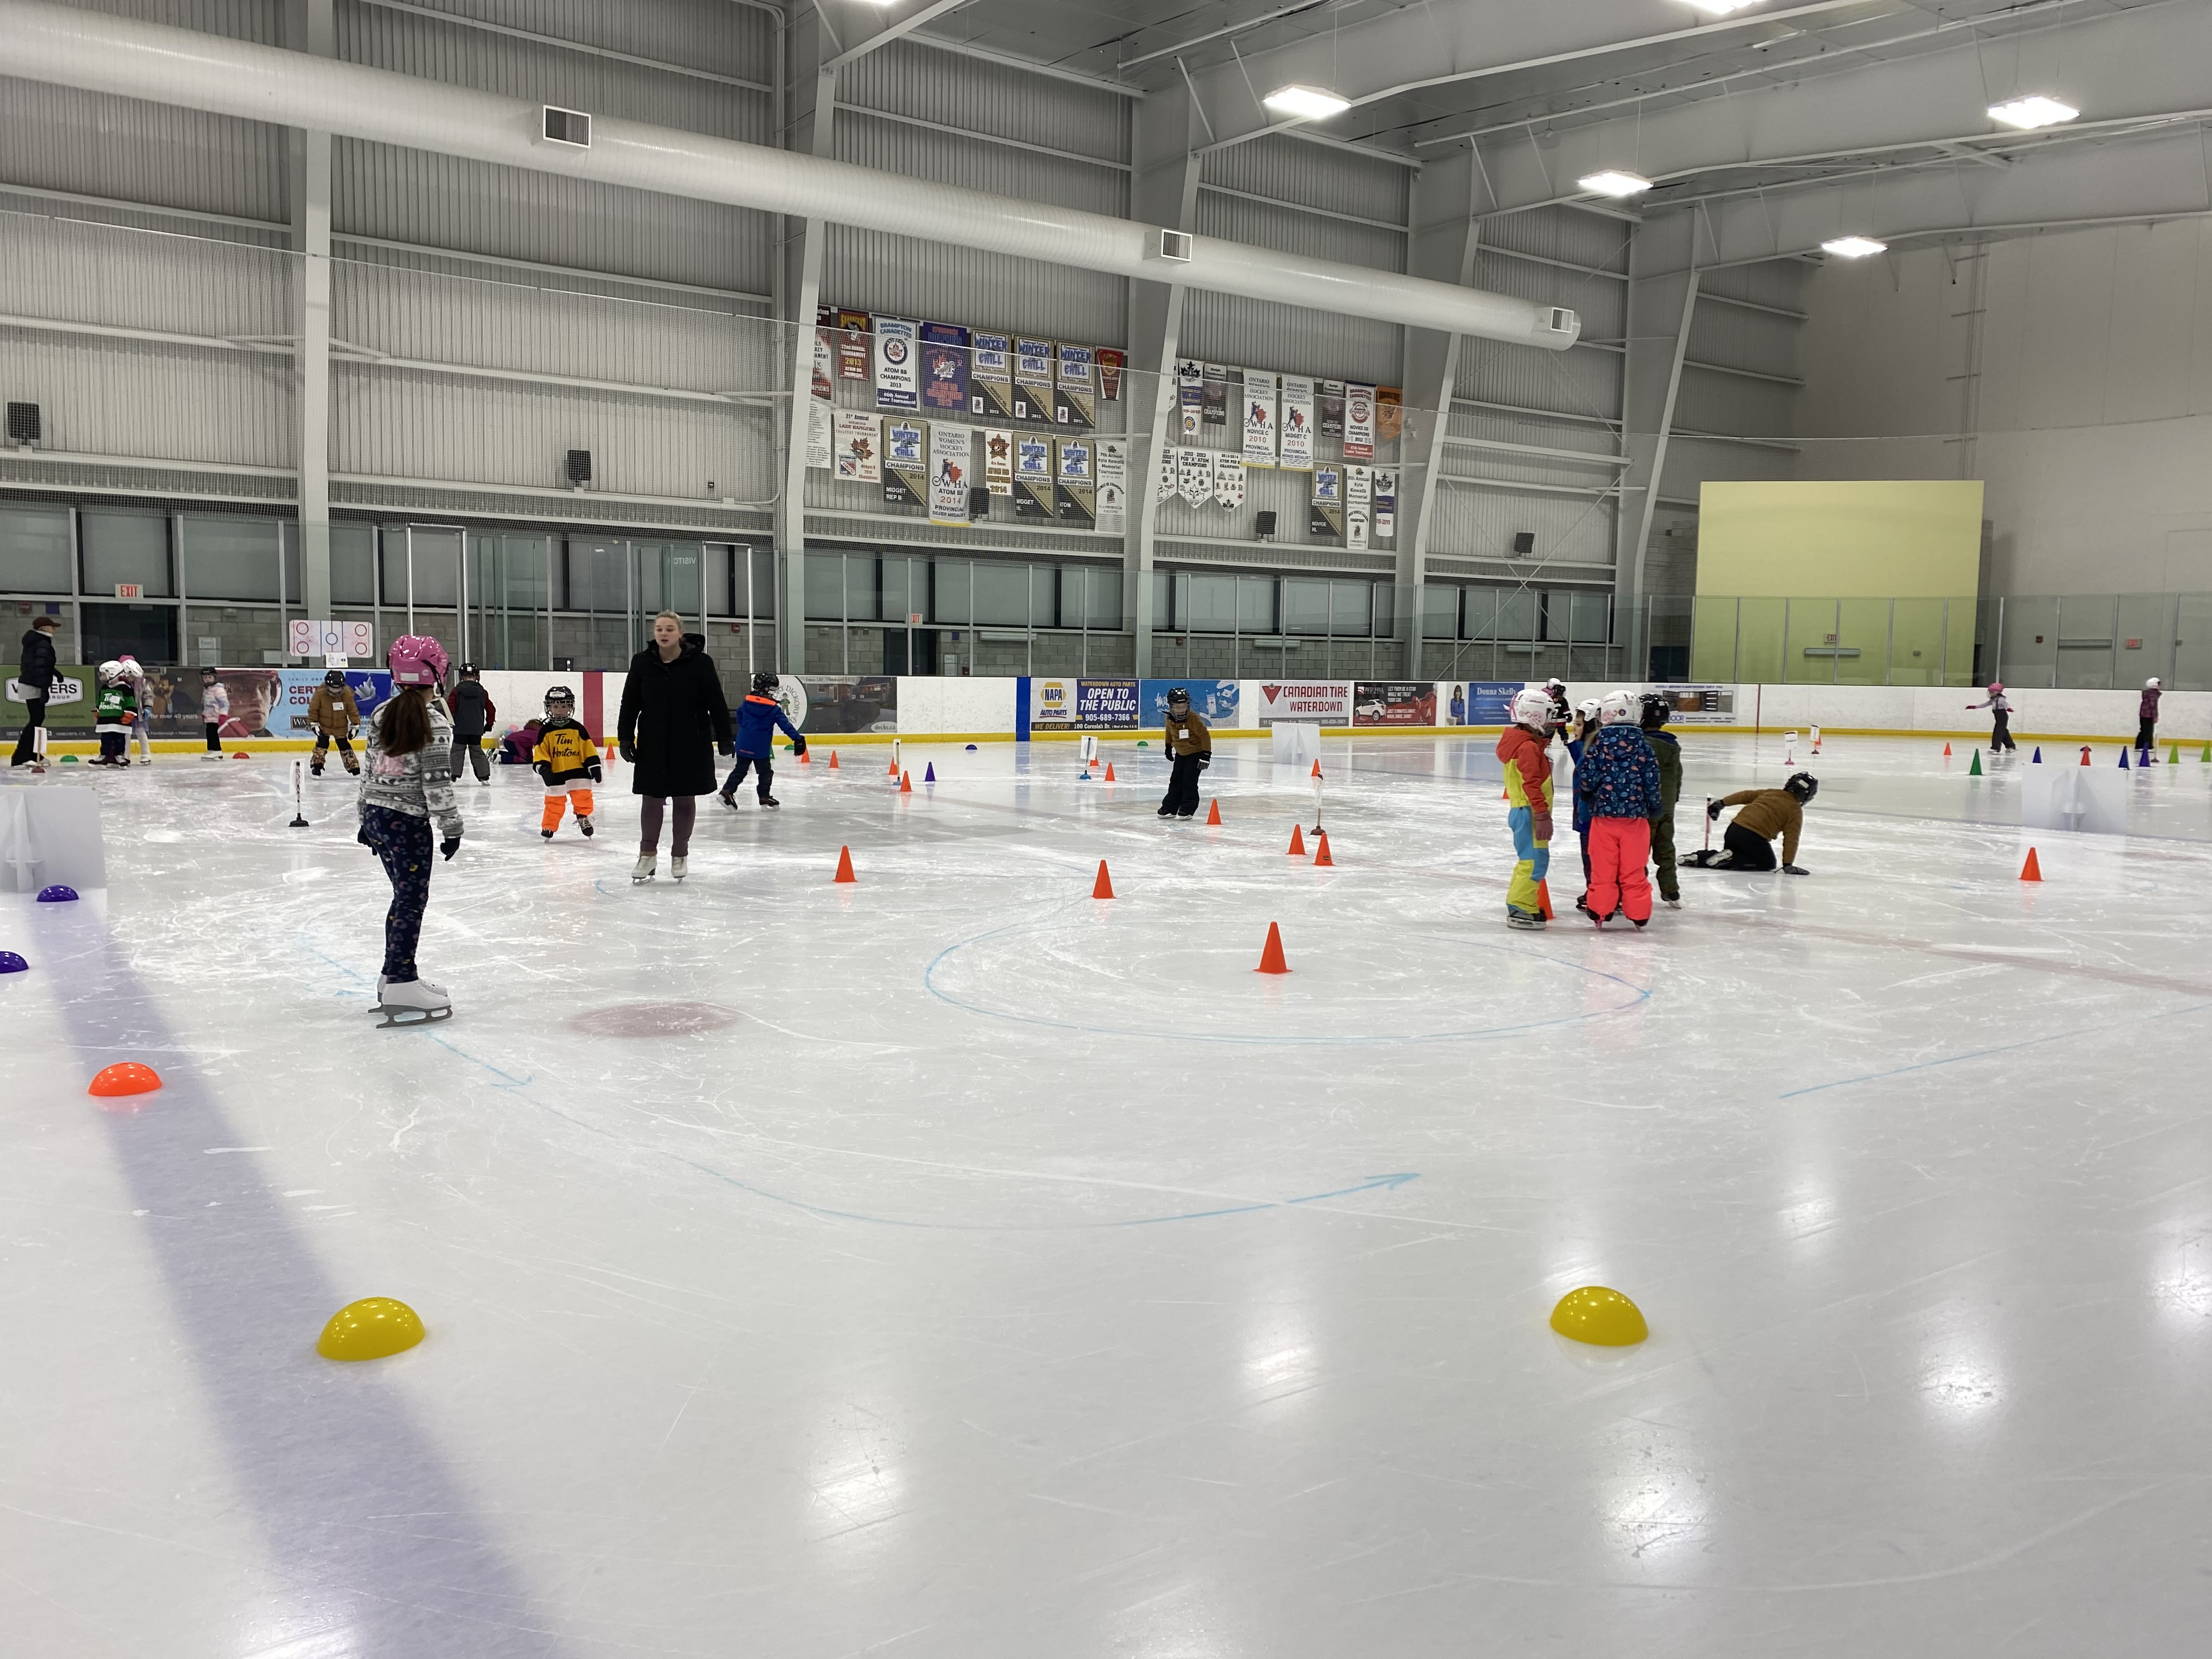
{"points": [[944, 369], [858, 446], [1297, 422], [1214, 382], [1393, 702], [1190, 398], [1074, 390], [1032, 476], [1259, 418], [852, 345], [1032, 380], [1358, 422], [1229, 481], [1111, 363], [1075, 492], [999, 463], [1112, 463], [897, 387], [1386, 503], [1194, 474], [1358, 505], [1330, 402], [951, 451], [1325, 511], [1389, 413], [1322, 702], [1164, 488], [906, 466], [825, 352], [991, 377], [821, 433]]}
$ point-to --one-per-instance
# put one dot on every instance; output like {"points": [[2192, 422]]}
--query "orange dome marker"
{"points": [[845, 866], [1214, 814], [1103, 887], [125, 1077], [906, 783], [2030, 870], [1321, 839], [1271, 958], [1297, 841]]}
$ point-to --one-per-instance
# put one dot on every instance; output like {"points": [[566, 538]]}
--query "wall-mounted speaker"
{"points": [[23, 428], [578, 468], [1263, 526], [1524, 542], [979, 502]]}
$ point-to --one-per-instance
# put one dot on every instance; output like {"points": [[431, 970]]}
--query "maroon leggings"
{"points": [[649, 841]]}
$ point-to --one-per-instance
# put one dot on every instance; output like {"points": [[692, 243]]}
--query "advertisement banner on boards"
{"points": [[1075, 388], [1075, 483], [827, 704], [1358, 422], [991, 377], [1111, 462], [944, 369], [1229, 481], [999, 462], [951, 454], [1032, 476], [858, 446], [1393, 702], [1699, 705], [1194, 474], [1329, 408], [1215, 702], [1052, 705], [296, 688], [898, 384], [1490, 702], [906, 464], [852, 346], [1083, 705], [1319, 702], [1259, 405], [1032, 380], [1297, 422], [69, 703]]}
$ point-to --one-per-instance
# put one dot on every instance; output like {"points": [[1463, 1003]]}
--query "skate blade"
{"points": [[412, 1017]]}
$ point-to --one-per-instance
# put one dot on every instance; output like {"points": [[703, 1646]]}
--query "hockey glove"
{"points": [[597, 776], [450, 845], [1795, 870], [1204, 761], [627, 752], [1712, 809], [798, 750], [724, 750]]}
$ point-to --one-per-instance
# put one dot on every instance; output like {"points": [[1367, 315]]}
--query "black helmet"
{"points": [[560, 694], [335, 679], [765, 681], [1177, 695], [1657, 710], [1804, 786]]}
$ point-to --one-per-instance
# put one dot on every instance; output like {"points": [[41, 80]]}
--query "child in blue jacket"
{"points": [[1620, 778], [759, 717]]}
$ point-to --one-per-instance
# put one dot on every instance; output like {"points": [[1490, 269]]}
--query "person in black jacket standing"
{"points": [[473, 713], [674, 718], [37, 675]]}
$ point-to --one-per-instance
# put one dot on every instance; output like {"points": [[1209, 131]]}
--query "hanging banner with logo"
{"points": [[952, 453], [1112, 463], [1075, 495], [1111, 363], [1259, 405], [1229, 481], [906, 464], [1358, 505], [853, 345], [1075, 389], [1358, 422], [1297, 422], [821, 433], [1325, 511], [1329, 408], [1194, 474], [1190, 398], [999, 463], [1389, 413], [825, 352], [1386, 503], [1164, 487], [897, 385], [1032, 380], [1215, 384], [1032, 476], [991, 377], [944, 369], [857, 443]]}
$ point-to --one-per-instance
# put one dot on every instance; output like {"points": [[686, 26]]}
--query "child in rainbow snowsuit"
{"points": [[1524, 747]]}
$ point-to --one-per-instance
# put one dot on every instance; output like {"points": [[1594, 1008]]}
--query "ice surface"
{"points": [[953, 1265]]}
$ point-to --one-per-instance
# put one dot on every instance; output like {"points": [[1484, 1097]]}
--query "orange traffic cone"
{"points": [[806, 757], [1544, 900], [906, 783], [845, 866], [1271, 958], [1316, 772], [833, 760], [1321, 841], [1946, 751], [1297, 841], [894, 767], [2030, 870], [1103, 887], [1109, 771], [1214, 814]]}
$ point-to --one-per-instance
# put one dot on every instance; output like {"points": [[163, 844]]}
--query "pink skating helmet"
{"points": [[417, 660], [1996, 690]]}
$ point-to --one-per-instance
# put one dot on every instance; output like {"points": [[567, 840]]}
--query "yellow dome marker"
{"points": [[370, 1329], [1596, 1314]]}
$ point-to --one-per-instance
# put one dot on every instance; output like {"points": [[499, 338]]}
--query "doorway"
{"points": [[910, 651], [147, 632]]}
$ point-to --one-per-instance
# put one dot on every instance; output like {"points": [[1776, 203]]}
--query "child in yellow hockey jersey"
{"points": [[567, 762]]}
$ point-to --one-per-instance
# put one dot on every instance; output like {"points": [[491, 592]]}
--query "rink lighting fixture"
{"points": [[1615, 183], [2032, 111], [1307, 103], [1720, 7], [1853, 247]]}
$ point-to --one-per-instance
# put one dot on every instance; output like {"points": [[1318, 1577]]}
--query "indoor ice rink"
{"points": [[1475, 920]]}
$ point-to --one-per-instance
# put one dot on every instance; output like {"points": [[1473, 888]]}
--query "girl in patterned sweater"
{"points": [[406, 782]]}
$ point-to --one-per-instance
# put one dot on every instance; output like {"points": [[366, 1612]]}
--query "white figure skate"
{"points": [[412, 1002]]}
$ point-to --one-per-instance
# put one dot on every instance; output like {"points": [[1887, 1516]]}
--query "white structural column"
{"points": [[813, 129], [1445, 236], [1662, 304], [1163, 191], [314, 29]]}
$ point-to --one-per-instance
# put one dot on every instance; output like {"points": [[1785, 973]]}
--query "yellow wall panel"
{"points": [[1842, 538]]}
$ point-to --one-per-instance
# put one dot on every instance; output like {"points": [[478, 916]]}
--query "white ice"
{"points": [[969, 1268]]}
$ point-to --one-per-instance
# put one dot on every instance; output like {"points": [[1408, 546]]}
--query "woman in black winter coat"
{"points": [[674, 717]]}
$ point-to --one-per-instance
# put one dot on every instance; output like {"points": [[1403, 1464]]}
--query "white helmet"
{"points": [[1532, 707], [2151, 684], [1618, 708], [1587, 708], [111, 672], [1555, 684]]}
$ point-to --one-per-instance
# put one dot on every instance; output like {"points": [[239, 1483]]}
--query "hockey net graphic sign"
{"points": [[310, 638]]}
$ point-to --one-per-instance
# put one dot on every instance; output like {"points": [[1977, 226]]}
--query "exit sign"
{"points": [[130, 590]]}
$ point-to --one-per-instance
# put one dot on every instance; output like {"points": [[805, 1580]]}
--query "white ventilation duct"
{"points": [[164, 65]]}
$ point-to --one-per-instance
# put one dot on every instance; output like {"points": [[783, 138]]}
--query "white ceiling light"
{"points": [[1853, 247], [1614, 182], [2031, 112], [1720, 7], [1310, 102]]}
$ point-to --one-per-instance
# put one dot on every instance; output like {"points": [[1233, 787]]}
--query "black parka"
{"points": [[674, 716]]}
